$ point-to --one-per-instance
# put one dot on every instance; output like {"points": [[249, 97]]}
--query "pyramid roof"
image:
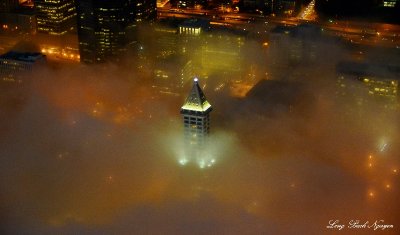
{"points": [[196, 100]]}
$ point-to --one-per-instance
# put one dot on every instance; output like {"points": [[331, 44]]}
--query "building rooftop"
{"points": [[196, 101], [23, 56]]}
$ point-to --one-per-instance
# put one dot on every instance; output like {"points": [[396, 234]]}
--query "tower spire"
{"points": [[196, 100]]}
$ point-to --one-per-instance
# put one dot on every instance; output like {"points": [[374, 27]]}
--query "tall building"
{"points": [[55, 17], [106, 29], [196, 118]]}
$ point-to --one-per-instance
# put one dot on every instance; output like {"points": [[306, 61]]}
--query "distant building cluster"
{"points": [[105, 28], [197, 48], [174, 50]]}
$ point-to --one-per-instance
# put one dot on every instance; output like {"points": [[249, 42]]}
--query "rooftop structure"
{"points": [[196, 101]]}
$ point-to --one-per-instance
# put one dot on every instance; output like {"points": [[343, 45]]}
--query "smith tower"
{"points": [[196, 118]]}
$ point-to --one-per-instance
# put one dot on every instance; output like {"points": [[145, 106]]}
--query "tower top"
{"points": [[196, 101]]}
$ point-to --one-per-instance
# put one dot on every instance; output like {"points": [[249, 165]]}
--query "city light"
{"points": [[61, 53]]}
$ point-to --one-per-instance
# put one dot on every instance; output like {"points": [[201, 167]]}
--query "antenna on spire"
{"points": [[195, 79]]}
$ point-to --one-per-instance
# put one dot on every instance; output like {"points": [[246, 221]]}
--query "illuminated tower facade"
{"points": [[106, 29], [196, 119], [55, 17]]}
